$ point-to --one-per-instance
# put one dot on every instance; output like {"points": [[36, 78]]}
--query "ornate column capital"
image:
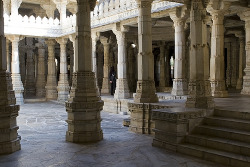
{"points": [[6, 6], [49, 9], [14, 38], [217, 9], [62, 41], [144, 3], [61, 4], [95, 36], [104, 40], [245, 15], [179, 15], [50, 42]]}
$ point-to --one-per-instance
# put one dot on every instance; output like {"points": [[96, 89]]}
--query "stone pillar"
{"points": [[167, 67], [94, 37], [6, 7], [61, 5], [84, 104], [41, 77], [198, 96], [30, 85], [241, 54], [228, 70], [122, 90], [234, 55], [15, 4], [51, 86], [217, 63], [15, 69], [179, 16], [63, 84], [22, 63], [162, 67], [9, 139], [8, 55], [145, 91], [106, 65]]}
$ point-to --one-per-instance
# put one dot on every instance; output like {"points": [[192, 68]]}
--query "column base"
{"points": [[83, 108], [9, 139], [51, 92], [246, 83], [239, 84], [105, 86], [18, 88], [179, 87], [145, 92], [122, 90], [199, 97], [218, 89]]}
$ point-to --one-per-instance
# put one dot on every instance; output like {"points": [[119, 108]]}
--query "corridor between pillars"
{"points": [[9, 139], [84, 105]]}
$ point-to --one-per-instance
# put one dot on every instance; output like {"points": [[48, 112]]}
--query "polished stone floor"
{"points": [[42, 127]]}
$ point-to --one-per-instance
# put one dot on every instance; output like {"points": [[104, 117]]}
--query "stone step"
{"points": [[222, 132], [228, 122], [232, 114], [220, 144], [222, 157]]}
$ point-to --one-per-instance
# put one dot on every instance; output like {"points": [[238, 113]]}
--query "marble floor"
{"points": [[42, 128]]}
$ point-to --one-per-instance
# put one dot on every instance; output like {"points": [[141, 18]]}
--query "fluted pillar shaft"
{"points": [[63, 84], [84, 105], [122, 89], [51, 86], [145, 91]]}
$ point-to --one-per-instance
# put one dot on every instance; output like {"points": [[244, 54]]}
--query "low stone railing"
{"points": [[104, 13]]}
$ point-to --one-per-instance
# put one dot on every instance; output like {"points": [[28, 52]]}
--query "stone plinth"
{"points": [[83, 108], [173, 124], [141, 117], [9, 139]]}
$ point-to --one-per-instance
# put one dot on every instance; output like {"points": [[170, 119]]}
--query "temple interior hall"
{"points": [[125, 83]]}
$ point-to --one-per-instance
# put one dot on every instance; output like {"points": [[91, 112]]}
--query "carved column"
{"points": [[8, 55], [62, 7], [63, 84], [228, 70], [51, 86], [49, 9], [22, 63], [72, 38], [15, 4], [145, 91], [162, 67], [9, 139], [122, 90], [217, 66], [41, 77], [84, 104], [6, 7], [245, 15], [179, 16], [15, 69], [241, 54], [30, 85], [234, 55], [198, 96], [106, 65], [167, 67]]}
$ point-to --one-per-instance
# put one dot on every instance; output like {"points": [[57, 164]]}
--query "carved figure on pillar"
{"points": [[145, 91], [84, 105], [179, 16]]}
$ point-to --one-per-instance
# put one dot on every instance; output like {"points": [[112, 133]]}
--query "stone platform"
{"points": [[43, 128]]}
